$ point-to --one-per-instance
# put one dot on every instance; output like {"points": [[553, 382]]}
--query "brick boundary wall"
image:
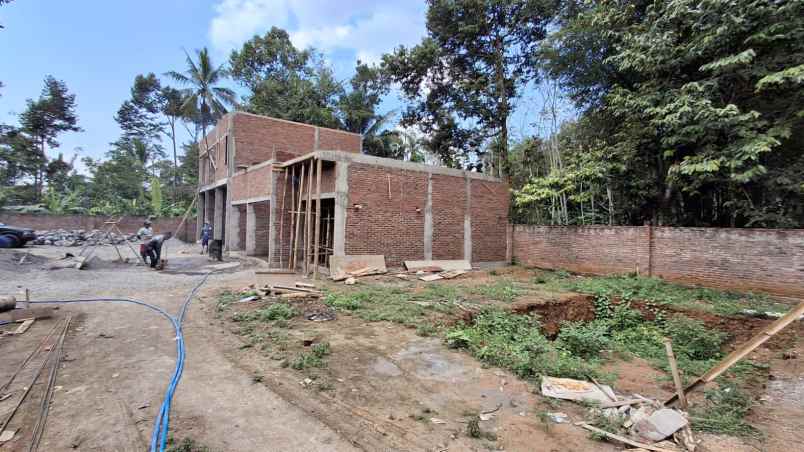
{"points": [[128, 224], [761, 260]]}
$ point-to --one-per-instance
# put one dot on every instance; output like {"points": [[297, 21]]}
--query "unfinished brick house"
{"points": [[260, 177]]}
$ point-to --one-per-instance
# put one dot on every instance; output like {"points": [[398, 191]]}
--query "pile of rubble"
{"points": [[80, 237]]}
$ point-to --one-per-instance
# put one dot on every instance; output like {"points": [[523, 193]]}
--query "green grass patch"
{"points": [[723, 412], [186, 445], [504, 289], [315, 358], [277, 311], [375, 304], [225, 298], [515, 342], [661, 292]]}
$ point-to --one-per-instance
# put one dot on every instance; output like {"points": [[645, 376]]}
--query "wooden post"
{"points": [[682, 398], [292, 215], [298, 221], [308, 223], [282, 215], [317, 217]]}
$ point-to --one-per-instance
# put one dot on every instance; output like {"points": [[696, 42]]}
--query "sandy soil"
{"points": [[120, 358]]}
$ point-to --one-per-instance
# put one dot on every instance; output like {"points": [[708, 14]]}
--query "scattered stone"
{"points": [[80, 237]]}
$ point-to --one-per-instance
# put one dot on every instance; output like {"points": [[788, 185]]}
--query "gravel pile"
{"points": [[80, 237]]}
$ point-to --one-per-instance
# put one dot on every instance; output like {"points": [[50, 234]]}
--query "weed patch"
{"points": [[277, 311], [504, 290], [723, 412], [315, 358], [186, 445], [665, 293]]}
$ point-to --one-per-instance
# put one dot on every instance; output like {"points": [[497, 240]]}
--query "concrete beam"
{"points": [[341, 208], [272, 222], [428, 219], [251, 230], [218, 215], [467, 223], [233, 230]]}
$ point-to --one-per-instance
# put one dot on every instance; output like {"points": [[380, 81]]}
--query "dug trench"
{"points": [[383, 386]]}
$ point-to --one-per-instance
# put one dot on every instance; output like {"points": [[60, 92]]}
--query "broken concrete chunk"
{"points": [[559, 418], [661, 424], [569, 389], [350, 280], [7, 435]]}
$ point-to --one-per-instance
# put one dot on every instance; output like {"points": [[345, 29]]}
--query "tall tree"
{"points": [[474, 61], [696, 103], [48, 117], [286, 82], [358, 111], [203, 95], [173, 109]]}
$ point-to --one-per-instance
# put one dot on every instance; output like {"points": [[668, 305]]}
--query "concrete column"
{"points": [[233, 230], [209, 205], [251, 230], [341, 208], [467, 222], [272, 223], [428, 219], [200, 206], [217, 217]]}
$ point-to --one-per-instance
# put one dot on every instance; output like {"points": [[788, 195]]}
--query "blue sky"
{"points": [[98, 47]]}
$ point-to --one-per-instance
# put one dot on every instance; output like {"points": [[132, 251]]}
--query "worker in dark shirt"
{"points": [[153, 248]]}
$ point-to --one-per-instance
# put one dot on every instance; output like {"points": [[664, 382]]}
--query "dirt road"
{"points": [[120, 358]]}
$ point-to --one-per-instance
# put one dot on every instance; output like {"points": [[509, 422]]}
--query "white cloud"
{"points": [[366, 27]]}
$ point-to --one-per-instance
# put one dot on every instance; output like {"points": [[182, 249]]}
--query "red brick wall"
{"points": [[393, 226], [764, 260], [216, 139], [257, 137], [489, 211], [252, 183], [338, 140], [261, 212], [449, 207], [128, 225]]}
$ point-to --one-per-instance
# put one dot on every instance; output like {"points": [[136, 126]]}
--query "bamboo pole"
{"points": [[317, 217], [298, 221], [308, 223], [671, 358], [292, 214], [282, 215]]}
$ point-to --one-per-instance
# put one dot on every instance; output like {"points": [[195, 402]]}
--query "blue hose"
{"points": [[162, 421]]}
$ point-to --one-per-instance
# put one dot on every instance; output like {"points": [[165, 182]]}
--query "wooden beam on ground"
{"points": [[308, 219], [622, 439], [317, 217], [743, 351]]}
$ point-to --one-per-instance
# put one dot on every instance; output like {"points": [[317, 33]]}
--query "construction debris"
{"points": [[431, 277], [80, 237], [7, 435], [623, 439], [341, 265], [660, 425], [581, 391], [445, 265]]}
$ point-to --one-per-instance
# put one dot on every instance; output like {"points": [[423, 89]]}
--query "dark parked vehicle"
{"points": [[11, 237]]}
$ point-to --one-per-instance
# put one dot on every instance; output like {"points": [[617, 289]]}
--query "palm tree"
{"points": [[202, 93]]}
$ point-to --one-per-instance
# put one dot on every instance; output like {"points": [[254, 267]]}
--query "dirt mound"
{"points": [[20, 261], [554, 312]]}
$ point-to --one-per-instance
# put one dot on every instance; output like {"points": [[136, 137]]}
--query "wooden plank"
{"points": [[308, 219], [282, 217], [433, 277], [292, 214], [275, 271], [298, 221], [317, 217], [743, 351], [671, 358], [444, 265], [622, 439], [354, 262], [294, 289]]}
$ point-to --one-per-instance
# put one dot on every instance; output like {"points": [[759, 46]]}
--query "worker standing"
{"points": [[144, 234], [153, 248], [206, 234]]}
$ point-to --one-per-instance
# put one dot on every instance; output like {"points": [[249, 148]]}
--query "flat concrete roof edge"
{"points": [[340, 156], [246, 113]]}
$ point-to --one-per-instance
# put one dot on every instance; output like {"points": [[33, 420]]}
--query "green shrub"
{"points": [[723, 412], [584, 339], [693, 338]]}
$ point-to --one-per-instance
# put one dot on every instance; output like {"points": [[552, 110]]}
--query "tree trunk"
{"points": [[175, 160], [502, 107]]}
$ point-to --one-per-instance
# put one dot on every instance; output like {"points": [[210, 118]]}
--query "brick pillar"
{"points": [[199, 220], [251, 230], [428, 219], [234, 229], [217, 217], [467, 221], [341, 208]]}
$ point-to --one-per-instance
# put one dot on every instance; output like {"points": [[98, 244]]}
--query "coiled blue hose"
{"points": [[161, 423]]}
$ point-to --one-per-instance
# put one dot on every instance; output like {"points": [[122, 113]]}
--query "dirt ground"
{"points": [[385, 388]]}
